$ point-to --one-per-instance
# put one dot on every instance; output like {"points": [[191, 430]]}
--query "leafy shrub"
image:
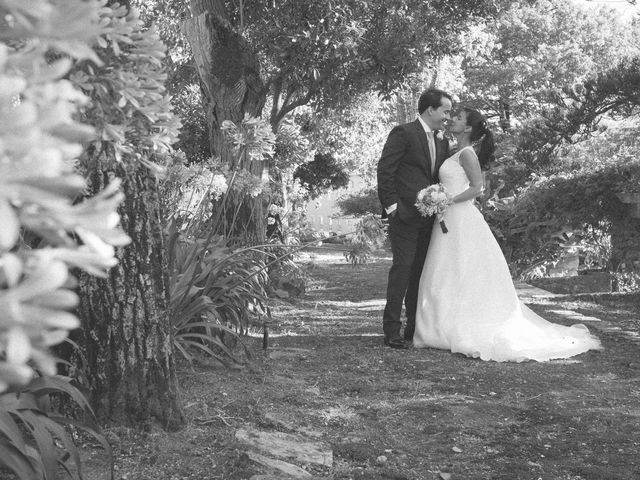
{"points": [[321, 174], [216, 293], [362, 203], [286, 278], [194, 137], [36, 443], [370, 235], [572, 207]]}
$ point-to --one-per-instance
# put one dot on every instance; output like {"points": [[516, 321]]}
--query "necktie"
{"points": [[432, 150]]}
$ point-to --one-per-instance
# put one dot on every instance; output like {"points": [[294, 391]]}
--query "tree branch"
{"points": [[288, 105]]}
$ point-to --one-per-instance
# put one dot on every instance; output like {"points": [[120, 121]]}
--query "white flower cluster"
{"points": [[275, 210], [249, 184], [252, 138], [433, 200], [39, 140], [218, 186]]}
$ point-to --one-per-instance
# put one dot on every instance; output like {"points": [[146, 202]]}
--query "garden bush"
{"points": [[361, 203], [575, 206]]}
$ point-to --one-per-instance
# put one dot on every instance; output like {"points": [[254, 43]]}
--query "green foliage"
{"points": [[572, 206], [613, 94], [214, 291], [251, 140], [182, 78], [291, 151], [362, 203], [194, 136], [518, 64], [189, 192], [321, 174], [330, 53], [129, 107], [353, 134], [292, 147], [38, 442], [286, 277], [370, 235], [626, 280]]}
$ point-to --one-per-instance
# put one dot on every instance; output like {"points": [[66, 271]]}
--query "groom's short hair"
{"points": [[432, 97]]}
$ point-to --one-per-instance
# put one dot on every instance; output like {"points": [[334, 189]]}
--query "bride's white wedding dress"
{"points": [[467, 302]]}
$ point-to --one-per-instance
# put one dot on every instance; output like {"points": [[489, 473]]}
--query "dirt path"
{"points": [[328, 384]]}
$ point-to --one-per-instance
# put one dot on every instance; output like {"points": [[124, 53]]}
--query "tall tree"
{"points": [[232, 89], [126, 334]]}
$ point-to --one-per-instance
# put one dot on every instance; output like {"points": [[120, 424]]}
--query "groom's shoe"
{"points": [[408, 335], [397, 343]]}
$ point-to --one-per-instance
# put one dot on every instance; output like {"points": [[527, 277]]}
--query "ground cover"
{"points": [[327, 383]]}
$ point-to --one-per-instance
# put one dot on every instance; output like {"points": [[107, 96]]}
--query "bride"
{"points": [[467, 302]]}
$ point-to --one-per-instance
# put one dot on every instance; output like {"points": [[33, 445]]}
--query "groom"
{"points": [[409, 162]]}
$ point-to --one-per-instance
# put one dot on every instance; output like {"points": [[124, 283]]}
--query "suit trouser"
{"points": [[409, 243]]}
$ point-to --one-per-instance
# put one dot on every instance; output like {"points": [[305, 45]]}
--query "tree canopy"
{"points": [[519, 63], [329, 51]]}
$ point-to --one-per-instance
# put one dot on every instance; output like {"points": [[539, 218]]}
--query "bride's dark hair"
{"points": [[479, 130]]}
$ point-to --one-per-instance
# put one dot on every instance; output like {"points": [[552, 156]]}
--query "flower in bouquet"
{"points": [[434, 200]]}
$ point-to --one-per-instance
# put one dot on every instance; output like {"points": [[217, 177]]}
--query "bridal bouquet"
{"points": [[434, 200]]}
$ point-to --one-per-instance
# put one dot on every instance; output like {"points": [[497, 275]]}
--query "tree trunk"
{"points": [[127, 337], [232, 88], [505, 116], [625, 249]]}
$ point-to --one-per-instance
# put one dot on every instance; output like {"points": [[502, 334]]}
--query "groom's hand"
{"points": [[391, 210]]}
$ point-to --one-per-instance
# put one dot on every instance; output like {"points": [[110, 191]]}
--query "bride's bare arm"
{"points": [[469, 161]]}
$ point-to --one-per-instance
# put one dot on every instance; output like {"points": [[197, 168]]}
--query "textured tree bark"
{"points": [[126, 334], [231, 87], [625, 247], [505, 116]]}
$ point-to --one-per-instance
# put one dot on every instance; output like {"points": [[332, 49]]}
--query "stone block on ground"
{"points": [[287, 446], [291, 471], [286, 422]]}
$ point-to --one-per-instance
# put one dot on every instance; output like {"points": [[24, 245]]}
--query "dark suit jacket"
{"points": [[405, 168]]}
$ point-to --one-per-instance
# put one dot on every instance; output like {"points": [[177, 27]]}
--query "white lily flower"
{"points": [[18, 346], [10, 226], [95, 243], [82, 257], [38, 318], [10, 270], [14, 374], [45, 362], [61, 299], [46, 277]]}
